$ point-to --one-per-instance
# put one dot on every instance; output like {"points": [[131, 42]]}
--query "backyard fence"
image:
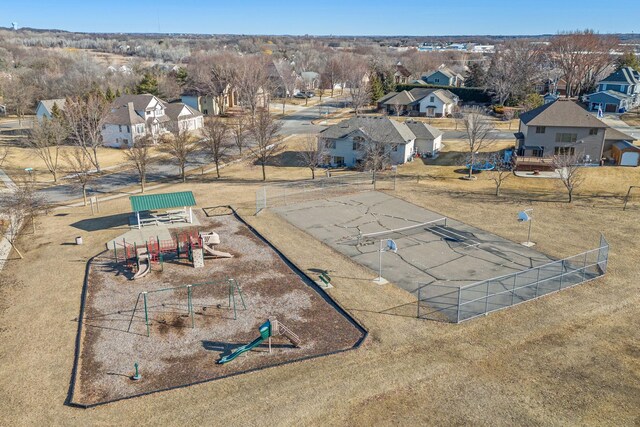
{"points": [[457, 304], [301, 191]]}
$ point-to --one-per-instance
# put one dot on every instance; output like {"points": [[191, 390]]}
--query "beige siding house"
{"points": [[564, 127]]}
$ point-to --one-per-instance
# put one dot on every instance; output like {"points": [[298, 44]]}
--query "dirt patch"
{"points": [[182, 348]]}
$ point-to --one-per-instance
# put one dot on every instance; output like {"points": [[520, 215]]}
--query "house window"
{"points": [[119, 128], [330, 144], [432, 99], [593, 131], [566, 137], [356, 146], [538, 152], [394, 148], [540, 129], [436, 80], [338, 161], [564, 151], [128, 129]]}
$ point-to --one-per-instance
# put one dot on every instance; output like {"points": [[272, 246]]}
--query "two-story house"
{"points": [[617, 93], [401, 75], [208, 104], [45, 107], [444, 76], [563, 127], [428, 102], [346, 142], [132, 116]]}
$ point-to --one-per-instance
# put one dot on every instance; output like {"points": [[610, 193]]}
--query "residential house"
{"points": [[346, 141], [556, 86], [45, 107], [429, 102], [401, 75], [183, 118], [132, 116], [444, 76], [428, 138], [310, 80], [208, 104], [617, 93], [564, 127]]}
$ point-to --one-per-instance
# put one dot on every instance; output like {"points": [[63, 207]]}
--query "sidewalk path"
{"points": [[5, 246]]}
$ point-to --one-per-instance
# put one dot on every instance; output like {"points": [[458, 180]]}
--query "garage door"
{"points": [[629, 158], [611, 108]]}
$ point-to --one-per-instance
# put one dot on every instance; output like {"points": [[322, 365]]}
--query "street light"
{"points": [[524, 216], [390, 246]]}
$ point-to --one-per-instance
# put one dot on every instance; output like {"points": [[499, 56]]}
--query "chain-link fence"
{"points": [[289, 193], [457, 304]]}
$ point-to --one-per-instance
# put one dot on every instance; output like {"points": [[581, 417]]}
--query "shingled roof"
{"points": [[422, 130], [624, 74], [124, 115], [376, 127], [561, 113]]}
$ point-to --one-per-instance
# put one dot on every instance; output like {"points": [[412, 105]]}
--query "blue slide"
{"points": [[265, 333]]}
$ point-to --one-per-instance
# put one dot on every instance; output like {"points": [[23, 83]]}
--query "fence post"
{"points": [[419, 292], [537, 282], [486, 299], [190, 305], [584, 267], [146, 313], [458, 308], [561, 273], [513, 291]]}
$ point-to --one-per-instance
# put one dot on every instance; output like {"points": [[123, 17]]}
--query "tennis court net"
{"points": [[396, 233]]}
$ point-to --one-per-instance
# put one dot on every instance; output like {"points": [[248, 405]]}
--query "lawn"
{"points": [[571, 358]]}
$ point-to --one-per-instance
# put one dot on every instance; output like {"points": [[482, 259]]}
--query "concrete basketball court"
{"points": [[456, 254]]}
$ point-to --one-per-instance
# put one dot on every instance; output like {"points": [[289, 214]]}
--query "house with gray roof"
{"points": [[44, 109], [429, 102], [346, 141], [563, 127], [617, 93], [444, 76], [133, 116]]}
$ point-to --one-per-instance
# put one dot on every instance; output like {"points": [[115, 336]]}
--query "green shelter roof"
{"points": [[162, 201]]}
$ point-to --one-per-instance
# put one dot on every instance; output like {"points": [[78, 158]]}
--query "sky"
{"points": [[322, 17]]}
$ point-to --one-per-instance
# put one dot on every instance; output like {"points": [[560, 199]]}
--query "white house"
{"points": [[428, 138], [346, 141], [132, 116], [429, 102], [45, 107]]}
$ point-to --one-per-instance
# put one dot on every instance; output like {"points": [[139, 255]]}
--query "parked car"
{"points": [[300, 95], [310, 94]]}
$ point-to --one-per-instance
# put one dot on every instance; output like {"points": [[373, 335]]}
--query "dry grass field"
{"points": [[572, 358]]}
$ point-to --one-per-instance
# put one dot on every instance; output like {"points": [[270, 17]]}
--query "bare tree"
{"points": [[501, 172], [332, 74], [45, 139], [21, 206], [252, 80], [478, 131], [80, 165], [239, 130], [358, 82], [313, 154], [289, 80], [376, 143], [582, 56], [570, 169], [215, 132], [19, 95], [179, 145], [4, 154], [85, 117], [213, 75], [139, 155], [265, 132]]}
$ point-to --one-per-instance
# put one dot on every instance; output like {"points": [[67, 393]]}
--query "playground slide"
{"points": [[212, 251], [145, 267], [238, 351]]}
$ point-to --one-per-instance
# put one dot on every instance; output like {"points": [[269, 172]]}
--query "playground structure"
{"points": [[208, 241], [139, 258], [148, 306], [267, 330], [481, 166]]}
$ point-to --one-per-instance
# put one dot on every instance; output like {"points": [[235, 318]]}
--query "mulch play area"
{"points": [[182, 347]]}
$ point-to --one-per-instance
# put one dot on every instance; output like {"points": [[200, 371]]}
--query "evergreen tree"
{"points": [[118, 94], [148, 84], [181, 76], [377, 88], [109, 94], [628, 59], [55, 111], [476, 76]]}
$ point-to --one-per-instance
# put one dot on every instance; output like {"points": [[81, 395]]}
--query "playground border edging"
{"points": [[74, 371]]}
